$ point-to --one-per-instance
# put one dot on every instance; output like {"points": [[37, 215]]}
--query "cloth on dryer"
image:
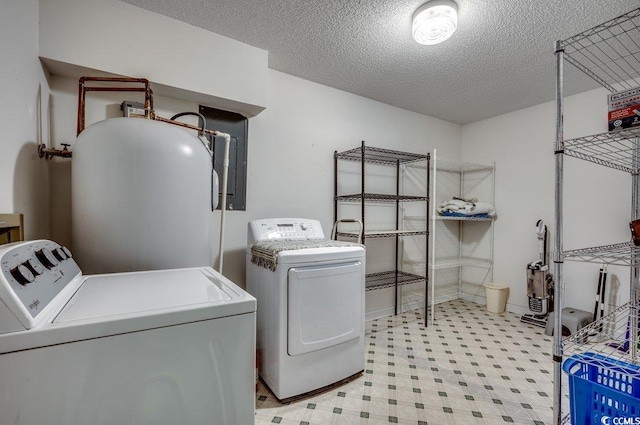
{"points": [[265, 253]]}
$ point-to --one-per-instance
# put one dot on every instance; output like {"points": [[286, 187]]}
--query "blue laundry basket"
{"points": [[601, 388]]}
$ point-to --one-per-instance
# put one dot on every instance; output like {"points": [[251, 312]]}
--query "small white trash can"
{"points": [[497, 295]]}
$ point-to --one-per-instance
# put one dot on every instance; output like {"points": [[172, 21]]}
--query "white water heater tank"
{"points": [[142, 195]]}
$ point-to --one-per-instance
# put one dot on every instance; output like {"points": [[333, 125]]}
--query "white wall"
{"points": [[24, 186], [596, 199], [117, 38]]}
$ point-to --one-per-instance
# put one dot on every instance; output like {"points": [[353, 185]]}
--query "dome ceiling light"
{"points": [[435, 21]]}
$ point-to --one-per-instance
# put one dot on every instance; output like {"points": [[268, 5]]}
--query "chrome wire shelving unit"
{"points": [[608, 337], [366, 155], [453, 272], [610, 54]]}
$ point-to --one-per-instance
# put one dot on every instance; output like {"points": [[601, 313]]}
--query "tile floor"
{"points": [[471, 367]]}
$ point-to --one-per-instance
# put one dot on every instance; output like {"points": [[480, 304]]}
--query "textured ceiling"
{"points": [[500, 59]]}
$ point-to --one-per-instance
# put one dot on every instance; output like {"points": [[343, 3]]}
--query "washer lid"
{"points": [[139, 293], [118, 303]]}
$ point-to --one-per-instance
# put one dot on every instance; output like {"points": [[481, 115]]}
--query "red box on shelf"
{"points": [[624, 109], [626, 117]]}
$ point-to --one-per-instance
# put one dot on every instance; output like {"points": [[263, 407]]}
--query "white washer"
{"points": [[310, 324], [162, 347]]}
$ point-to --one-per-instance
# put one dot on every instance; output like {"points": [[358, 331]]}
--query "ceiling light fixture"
{"points": [[435, 21]]}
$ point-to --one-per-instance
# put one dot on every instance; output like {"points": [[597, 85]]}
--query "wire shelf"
{"points": [[381, 156], [475, 289], [454, 291], [615, 149], [623, 254], [469, 218], [445, 293], [608, 336], [415, 218], [448, 218], [608, 53], [383, 233], [378, 197], [456, 166], [387, 279], [451, 262]]}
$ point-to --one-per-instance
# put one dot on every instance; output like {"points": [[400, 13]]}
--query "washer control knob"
{"points": [[303, 226], [47, 258], [66, 251], [34, 266], [22, 274], [59, 254]]}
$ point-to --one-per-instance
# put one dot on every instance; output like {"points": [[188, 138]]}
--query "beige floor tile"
{"points": [[471, 367]]}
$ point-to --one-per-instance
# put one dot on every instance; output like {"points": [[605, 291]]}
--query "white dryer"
{"points": [[310, 293], [162, 347]]}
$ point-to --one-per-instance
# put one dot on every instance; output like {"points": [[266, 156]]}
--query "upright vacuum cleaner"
{"points": [[539, 283]]}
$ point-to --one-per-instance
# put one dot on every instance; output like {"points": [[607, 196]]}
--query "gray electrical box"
{"points": [[238, 127], [129, 108]]}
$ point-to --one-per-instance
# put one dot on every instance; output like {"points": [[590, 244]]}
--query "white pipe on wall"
{"points": [[223, 201]]}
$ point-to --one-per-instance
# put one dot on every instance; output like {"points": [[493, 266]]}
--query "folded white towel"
{"points": [[483, 208], [458, 203], [467, 208]]}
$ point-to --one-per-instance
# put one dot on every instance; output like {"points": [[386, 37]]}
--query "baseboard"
{"points": [[416, 304], [517, 309], [474, 299], [377, 314], [413, 305]]}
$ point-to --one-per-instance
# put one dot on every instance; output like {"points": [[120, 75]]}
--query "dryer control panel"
{"points": [[32, 275], [284, 228]]}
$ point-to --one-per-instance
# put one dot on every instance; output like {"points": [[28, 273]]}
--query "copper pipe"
{"points": [[114, 89], [82, 89], [148, 100], [45, 153], [80, 121], [148, 103], [116, 79], [182, 124]]}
